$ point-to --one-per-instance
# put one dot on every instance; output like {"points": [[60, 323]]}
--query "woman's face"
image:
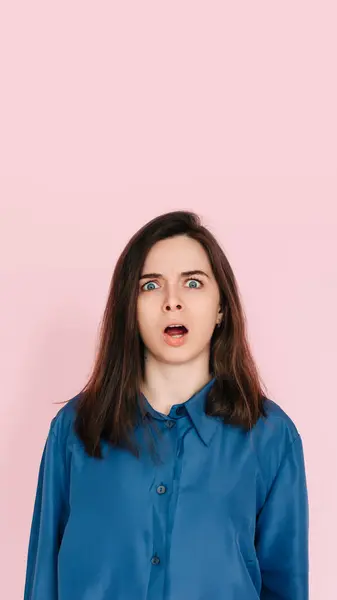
{"points": [[177, 286]]}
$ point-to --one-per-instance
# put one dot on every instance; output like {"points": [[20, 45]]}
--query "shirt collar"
{"points": [[205, 425]]}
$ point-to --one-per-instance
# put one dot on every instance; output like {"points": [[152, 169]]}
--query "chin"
{"points": [[177, 356]]}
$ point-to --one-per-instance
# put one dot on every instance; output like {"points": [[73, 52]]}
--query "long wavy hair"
{"points": [[108, 404]]}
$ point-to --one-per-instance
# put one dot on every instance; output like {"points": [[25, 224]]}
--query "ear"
{"points": [[221, 314]]}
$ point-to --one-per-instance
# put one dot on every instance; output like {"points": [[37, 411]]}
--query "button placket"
{"points": [[162, 493], [155, 560]]}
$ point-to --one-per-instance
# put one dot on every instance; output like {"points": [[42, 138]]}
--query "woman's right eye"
{"points": [[149, 283]]}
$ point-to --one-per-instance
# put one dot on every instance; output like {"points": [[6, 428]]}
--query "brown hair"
{"points": [[107, 405]]}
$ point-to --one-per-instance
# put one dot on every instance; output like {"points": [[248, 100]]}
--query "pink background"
{"points": [[114, 112]]}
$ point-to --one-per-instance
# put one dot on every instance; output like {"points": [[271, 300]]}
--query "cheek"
{"points": [[205, 327], [148, 331], [204, 308], [146, 315], [204, 320]]}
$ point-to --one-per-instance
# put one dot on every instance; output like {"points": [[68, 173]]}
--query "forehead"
{"points": [[180, 253]]}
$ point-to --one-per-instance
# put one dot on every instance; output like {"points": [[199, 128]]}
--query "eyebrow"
{"points": [[183, 274]]}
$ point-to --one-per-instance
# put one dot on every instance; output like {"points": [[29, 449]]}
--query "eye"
{"points": [[194, 281], [149, 283]]}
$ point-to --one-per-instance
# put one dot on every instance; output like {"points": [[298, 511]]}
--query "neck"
{"points": [[167, 384]]}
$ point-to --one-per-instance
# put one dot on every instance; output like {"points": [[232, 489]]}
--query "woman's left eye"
{"points": [[195, 281]]}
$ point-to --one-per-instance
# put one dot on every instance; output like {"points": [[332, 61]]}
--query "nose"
{"points": [[173, 307], [172, 302]]}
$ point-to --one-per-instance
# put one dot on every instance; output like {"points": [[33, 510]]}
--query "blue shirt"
{"points": [[223, 515]]}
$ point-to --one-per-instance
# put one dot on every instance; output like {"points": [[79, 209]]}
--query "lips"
{"points": [[175, 328], [175, 335]]}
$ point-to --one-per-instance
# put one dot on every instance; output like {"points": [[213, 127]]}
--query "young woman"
{"points": [[171, 475]]}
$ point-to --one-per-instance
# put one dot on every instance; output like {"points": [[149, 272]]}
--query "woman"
{"points": [[171, 475]]}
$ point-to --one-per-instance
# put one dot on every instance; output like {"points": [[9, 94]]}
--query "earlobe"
{"points": [[220, 315]]}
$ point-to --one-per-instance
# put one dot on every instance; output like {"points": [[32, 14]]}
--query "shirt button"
{"points": [[155, 560], [161, 489], [170, 424], [180, 410]]}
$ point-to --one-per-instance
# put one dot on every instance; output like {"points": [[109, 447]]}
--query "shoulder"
{"points": [[274, 437], [61, 425], [277, 423]]}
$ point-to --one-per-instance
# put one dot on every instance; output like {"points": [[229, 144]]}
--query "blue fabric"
{"points": [[222, 516]]}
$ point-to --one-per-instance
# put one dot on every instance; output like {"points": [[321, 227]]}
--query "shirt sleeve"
{"points": [[48, 522], [282, 531]]}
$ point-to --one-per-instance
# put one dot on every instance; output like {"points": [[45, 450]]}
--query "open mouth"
{"points": [[176, 331]]}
